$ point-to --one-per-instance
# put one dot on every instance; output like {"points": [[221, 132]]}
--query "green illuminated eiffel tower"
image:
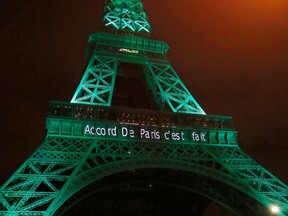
{"points": [[131, 122]]}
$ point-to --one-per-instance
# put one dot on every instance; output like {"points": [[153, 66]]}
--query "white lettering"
{"points": [[203, 137], [112, 131], [148, 134], [198, 137], [124, 131], [166, 135], [144, 133], [89, 130], [175, 136], [182, 136], [132, 133], [195, 136]]}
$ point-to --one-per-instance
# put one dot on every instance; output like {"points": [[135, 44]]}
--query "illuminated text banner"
{"points": [[145, 133]]}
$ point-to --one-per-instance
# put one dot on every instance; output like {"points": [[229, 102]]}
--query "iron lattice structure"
{"points": [[126, 16], [105, 52], [88, 140]]}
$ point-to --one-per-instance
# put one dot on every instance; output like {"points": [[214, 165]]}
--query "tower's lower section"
{"points": [[98, 147]]}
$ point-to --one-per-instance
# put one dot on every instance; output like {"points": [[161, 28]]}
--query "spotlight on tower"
{"points": [[275, 209]]}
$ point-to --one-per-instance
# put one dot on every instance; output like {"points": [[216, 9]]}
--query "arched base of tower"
{"points": [[154, 192], [141, 199], [137, 192]]}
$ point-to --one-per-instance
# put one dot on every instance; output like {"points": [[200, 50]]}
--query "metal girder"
{"points": [[126, 16], [97, 84], [168, 88], [128, 42], [106, 50], [261, 183]]}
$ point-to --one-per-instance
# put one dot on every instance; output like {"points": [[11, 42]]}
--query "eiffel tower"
{"points": [[133, 130]]}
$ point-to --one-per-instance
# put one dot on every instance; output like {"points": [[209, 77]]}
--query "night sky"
{"points": [[232, 56]]}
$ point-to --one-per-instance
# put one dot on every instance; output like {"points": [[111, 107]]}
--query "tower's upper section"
{"points": [[126, 16]]}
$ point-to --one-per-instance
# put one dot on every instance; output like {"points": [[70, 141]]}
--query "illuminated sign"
{"points": [[145, 133], [128, 50]]}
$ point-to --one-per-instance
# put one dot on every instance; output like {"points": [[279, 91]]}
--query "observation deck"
{"points": [[100, 122]]}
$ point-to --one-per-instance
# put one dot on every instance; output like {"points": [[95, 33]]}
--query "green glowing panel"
{"points": [[126, 15]]}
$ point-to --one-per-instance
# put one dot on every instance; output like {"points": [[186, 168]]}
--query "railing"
{"points": [[137, 116], [130, 42]]}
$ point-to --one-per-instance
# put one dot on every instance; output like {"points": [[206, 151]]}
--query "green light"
{"points": [[126, 16]]}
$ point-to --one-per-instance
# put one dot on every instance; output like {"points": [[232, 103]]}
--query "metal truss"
{"points": [[68, 161], [126, 15], [107, 50], [168, 88], [97, 84]]}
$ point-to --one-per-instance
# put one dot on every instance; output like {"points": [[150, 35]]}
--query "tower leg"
{"points": [[97, 84]]}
